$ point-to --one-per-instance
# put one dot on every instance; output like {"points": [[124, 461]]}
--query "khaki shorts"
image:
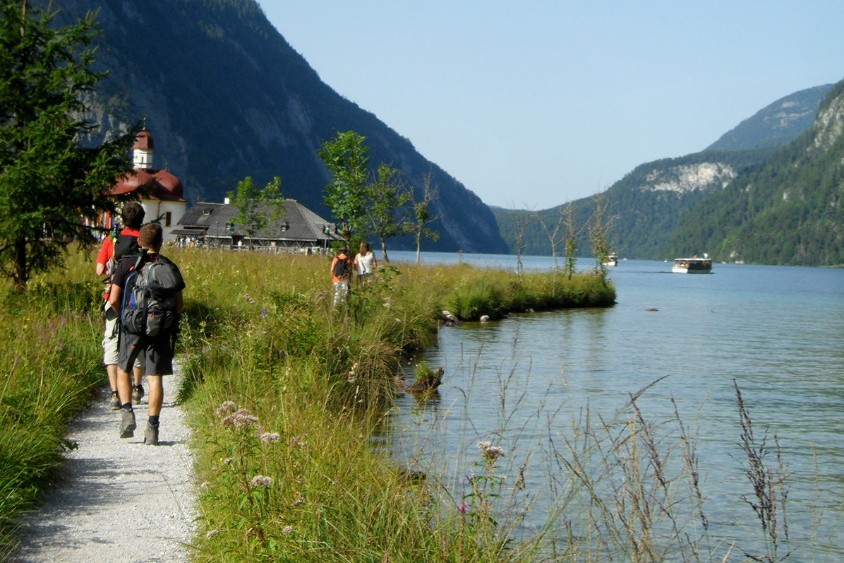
{"points": [[110, 338]]}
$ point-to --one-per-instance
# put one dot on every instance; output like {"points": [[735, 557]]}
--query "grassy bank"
{"points": [[51, 363], [287, 392], [284, 391]]}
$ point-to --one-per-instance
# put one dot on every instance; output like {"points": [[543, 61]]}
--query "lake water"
{"points": [[778, 332]]}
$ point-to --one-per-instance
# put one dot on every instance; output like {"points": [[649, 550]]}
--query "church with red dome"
{"points": [[160, 192]]}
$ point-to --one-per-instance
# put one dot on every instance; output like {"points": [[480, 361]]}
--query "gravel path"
{"points": [[122, 500]]}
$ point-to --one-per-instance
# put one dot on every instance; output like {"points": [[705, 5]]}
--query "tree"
{"points": [[422, 216], [49, 182], [385, 198], [599, 233], [256, 207], [571, 240], [347, 159]]}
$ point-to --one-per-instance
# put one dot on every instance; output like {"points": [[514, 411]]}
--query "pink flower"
{"points": [[463, 507]]}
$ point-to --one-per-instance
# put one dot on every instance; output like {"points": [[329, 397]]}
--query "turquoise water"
{"points": [[777, 332]]}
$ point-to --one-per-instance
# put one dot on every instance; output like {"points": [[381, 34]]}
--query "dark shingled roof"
{"points": [[303, 226]]}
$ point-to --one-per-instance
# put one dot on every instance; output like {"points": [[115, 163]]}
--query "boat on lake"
{"points": [[611, 260], [692, 265]]}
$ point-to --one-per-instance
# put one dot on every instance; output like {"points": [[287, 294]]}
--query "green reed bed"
{"points": [[51, 364]]}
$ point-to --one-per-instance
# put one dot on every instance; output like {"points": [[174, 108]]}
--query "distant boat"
{"points": [[692, 265], [611, 260]]}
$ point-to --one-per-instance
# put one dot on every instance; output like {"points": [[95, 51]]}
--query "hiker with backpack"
{"points": [[120, 244], [148, 293], [341, 273]]}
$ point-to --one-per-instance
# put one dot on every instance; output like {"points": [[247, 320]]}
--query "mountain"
{"points": [[732, 200], [226, 97], [641, 210], [789, 210], [775, 125]]}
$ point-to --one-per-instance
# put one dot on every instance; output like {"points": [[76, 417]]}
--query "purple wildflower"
{"points": [[262, 481]]}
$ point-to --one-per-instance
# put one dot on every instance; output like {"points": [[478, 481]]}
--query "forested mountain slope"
{"points": [[226, 96], [775, 125], [755, 202], [788, 211]]}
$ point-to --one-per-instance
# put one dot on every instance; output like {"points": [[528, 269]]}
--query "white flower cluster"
{"points": [[489, 451]]}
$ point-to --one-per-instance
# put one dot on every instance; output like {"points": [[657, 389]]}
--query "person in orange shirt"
{"points": [[341, 273]]}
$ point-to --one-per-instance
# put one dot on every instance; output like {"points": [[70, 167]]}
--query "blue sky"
{"points": [[533, 103]]}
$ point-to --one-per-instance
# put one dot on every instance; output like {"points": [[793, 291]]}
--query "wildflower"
{"points": [[268, 437], [264, 313], [287, 530], [489, 451], [226, 407], [299, 499], [248, 299], [262, 481], [463, 507], [240, 418]]}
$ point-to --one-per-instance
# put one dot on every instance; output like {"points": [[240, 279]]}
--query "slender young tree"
{"points": [[386, 197], [599, 233], [49, 182], [571, 240], [256, 207], [422, 216], [347, 159]]}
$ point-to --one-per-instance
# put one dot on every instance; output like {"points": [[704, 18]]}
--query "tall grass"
{"points": [[50, 364], [289, 391]]}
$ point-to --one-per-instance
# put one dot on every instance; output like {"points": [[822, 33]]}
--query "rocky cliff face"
{"points": [[829, 125], [225, 97], [685, 178]]}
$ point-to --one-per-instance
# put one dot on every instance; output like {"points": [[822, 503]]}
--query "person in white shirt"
{"points": [[365, 262]]}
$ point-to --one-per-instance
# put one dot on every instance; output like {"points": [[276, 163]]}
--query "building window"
{"points": [[168, 216]]}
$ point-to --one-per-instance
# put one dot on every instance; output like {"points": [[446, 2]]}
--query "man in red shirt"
{"points": [[112, 251]]}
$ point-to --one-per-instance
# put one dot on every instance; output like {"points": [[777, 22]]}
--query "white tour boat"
{"points": [[611, 260], [692, 265]]}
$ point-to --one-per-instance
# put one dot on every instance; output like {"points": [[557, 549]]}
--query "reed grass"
{"points": [[50, 363]]}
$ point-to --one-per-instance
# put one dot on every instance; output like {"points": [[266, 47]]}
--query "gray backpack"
{"points": [[149, 304]]}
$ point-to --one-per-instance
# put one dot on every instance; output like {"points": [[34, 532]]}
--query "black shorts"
{"points": [[155, 354]]}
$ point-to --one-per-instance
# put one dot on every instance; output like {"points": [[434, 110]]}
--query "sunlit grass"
{"points": [[50, 364], [260, 331]]}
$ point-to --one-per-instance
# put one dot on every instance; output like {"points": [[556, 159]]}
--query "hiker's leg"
{"points": [[111, 371], [139, 374], [156, 394], [124, 386]]}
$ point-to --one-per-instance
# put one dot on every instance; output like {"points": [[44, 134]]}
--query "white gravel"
{"points": [[122, 500]]}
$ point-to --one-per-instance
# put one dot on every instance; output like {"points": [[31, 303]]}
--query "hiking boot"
{"points": [[115, 401], [127, 424], [151, 435], [137, 394]]}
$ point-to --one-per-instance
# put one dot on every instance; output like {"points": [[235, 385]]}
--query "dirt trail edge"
{"points": [[122, 500]]}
